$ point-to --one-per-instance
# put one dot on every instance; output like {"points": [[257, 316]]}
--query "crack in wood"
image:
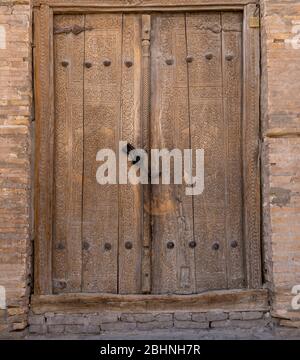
{"points": [[75, 29]]}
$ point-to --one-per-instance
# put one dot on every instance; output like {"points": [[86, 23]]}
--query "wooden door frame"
{"points": [[44, 11]]}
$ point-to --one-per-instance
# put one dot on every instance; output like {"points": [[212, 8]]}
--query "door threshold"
{"points": [[226, 300]]}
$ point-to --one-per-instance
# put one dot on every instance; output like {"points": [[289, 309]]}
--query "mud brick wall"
{"points": [[15, 147], [280, 102], [95, 323]]}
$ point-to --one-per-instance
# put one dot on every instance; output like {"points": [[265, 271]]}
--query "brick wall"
{"points": [[281, 166], [281, 155], [15, 179], [95, 323]]}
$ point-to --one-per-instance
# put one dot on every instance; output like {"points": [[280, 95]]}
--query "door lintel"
{"points": [[94, 6]]}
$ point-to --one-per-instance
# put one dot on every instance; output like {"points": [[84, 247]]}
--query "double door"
{"points": [[160, 80]]}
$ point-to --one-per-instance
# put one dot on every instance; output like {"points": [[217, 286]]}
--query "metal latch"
{"points": [[254, 22]]}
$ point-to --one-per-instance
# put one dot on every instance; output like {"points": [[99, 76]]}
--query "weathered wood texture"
{"points": [[110, 4], [251, 149], [68, 157], [44, 151], [232, 115], [201, 98], [208, 132], [282, 132], [130, 196], [146, 142], [102, 105], [172, 210], [95, 107], [231, 300]]}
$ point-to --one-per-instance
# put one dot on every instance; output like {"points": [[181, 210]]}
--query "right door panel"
{"points": [[196, 66]]}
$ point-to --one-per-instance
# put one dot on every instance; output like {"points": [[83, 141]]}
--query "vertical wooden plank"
{"points": [[68, 159], [172, 211], [146, 136], [101, 131], [251, 152], [208, 132], [44, 149], [130, 196], [232, 105]]}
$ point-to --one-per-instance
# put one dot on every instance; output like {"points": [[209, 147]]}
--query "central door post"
{"points": [[146, 91]]}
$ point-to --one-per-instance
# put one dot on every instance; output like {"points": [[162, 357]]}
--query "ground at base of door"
{"points": [[277, 333]]}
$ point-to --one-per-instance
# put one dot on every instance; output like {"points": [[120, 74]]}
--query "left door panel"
{"points": [[97, 104], [68, 154]]}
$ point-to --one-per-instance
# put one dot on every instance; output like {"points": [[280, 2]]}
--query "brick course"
{"points": [[124, 322]]}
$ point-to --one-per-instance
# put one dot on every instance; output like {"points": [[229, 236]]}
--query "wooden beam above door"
{"points": [[144, 5]]}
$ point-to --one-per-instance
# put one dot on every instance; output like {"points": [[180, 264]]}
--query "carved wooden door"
{"points": [[166, 80]]}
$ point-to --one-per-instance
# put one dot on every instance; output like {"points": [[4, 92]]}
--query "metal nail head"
{"points": [[216, 246], [170, 245], [106, 62], [128, 245], [189, 59], [128, 63]]}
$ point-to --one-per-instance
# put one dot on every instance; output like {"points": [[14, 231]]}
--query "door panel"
{"points": [[130, 196], [201, 98], [232, 108], [102, 239], [208, 133], [102, 86], [97, 104], [172, 211], [68, 171]]}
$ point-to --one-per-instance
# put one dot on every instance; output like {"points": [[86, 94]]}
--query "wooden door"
{"points": [[167, 80]]}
